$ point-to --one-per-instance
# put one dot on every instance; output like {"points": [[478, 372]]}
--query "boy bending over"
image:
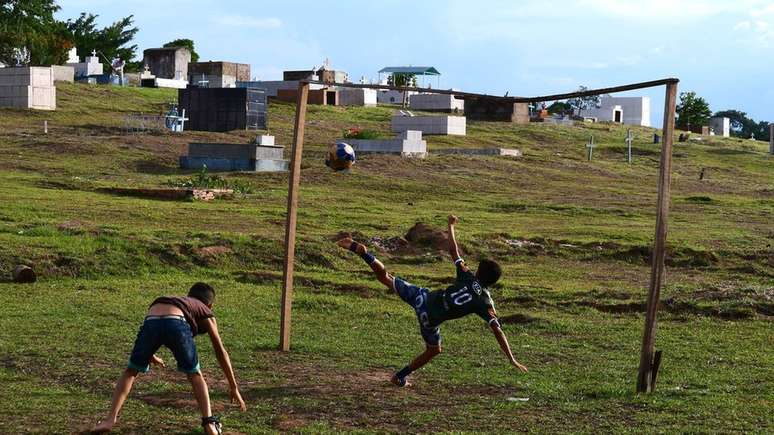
{"points": [[174, 322], [469, 294]]}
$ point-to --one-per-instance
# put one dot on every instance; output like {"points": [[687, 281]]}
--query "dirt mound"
{"points": [[423, 235], [212, 251]]}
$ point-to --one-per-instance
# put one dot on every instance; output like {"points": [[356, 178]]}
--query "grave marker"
{"points": [[629, 139], [590, 146]]}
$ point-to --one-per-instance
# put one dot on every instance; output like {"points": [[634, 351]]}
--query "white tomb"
{"points": [[91, 66], [436, 103], [407, 144], [720, 126], [441, 125], [28, 88], [624, 110], [357, 97]]}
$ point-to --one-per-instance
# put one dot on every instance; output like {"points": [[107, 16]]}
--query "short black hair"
{"points": [[488, 272], [202, 291]]}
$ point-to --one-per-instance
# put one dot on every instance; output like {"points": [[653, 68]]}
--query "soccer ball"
{"points": [[341, 156]]}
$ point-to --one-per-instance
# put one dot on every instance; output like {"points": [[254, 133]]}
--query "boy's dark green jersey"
{"points": [[465, 296]]}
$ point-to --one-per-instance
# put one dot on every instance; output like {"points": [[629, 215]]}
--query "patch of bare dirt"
{"points": [[212, 251]]}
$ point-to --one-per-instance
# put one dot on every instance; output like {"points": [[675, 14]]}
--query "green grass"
{"points": [[573, 237]]}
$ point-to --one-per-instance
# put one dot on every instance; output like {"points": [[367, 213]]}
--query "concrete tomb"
{"points": [[218, 74], [623, 110], [436, 103], [223, 109], [407, 144], [28, 88], [505, 152], [357, 97], [90, 67], [441, 125], [63, 73], [323, 96], [169, 66], [273, 87], [496, 109], [384, 96], [721, 126], [262, 156]]}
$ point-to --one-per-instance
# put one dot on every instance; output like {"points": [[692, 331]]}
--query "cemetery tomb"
{"points": [[217, 74], [63, 73], [357, 97], [324, 96], [272, 87], [223, 109], [626, 110], [258, 157], [496, 109], [407, 144], [441, 125], [27, 88], [436, 103], [505, 152], [90, 67], [721, 126], [168, 63]]}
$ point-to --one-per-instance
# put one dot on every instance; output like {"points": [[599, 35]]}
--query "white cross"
{"points": [[629, 139], [93, 53], [590, 147]]}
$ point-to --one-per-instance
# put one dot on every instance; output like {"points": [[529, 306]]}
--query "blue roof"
{"points": [[421, 70]]}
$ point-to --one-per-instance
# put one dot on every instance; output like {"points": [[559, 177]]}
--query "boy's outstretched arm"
{"points": [[454, 251], [225, 363], [503, 341]]}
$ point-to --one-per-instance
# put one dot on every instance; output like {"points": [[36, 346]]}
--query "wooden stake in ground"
{"points": [[648, 366], [290, 223]]}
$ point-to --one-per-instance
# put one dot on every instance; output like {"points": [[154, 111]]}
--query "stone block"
{"points": [[506, 152], [36, 76], [63, 73], [218, 164], [265, 140], [428, 125], [235, 151], [436, 103], [357, 97], [403, 147]]}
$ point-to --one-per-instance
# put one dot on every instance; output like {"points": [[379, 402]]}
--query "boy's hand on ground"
{"points": [[453, 220], [236, 397], [519, 366]]}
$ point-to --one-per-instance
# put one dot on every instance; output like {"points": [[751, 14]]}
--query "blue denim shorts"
{"points": [[170, 331], [417, 298]]}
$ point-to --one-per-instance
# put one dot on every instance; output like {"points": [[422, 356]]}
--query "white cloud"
{"points": [[245, 21]]}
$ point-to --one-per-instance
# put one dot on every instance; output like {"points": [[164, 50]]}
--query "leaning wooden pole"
{"points": [[290, 223], [648, 359]]}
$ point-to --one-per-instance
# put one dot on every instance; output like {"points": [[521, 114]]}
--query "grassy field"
{"points": [[573, 236]]}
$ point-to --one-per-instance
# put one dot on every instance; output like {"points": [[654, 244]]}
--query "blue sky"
{"points": [[723, 50]]}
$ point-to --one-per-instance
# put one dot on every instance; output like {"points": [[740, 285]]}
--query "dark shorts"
{"points": [[417, 298], [170, 331]]}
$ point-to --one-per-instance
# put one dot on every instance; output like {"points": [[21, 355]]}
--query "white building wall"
{"points": [[28, 88], [636, 110], [721, 126]]}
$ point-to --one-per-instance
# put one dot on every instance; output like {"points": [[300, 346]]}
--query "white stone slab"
{"points": [[440, 125], [436, 102], [264, 140], [357, 97]]}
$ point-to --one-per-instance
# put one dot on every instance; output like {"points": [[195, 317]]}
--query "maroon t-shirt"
{"points": [[194, 311]]}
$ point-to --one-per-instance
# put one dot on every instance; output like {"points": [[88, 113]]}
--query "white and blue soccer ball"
{"points": [[341, 156]]}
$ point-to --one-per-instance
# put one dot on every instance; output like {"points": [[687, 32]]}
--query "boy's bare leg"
{"points": [[123, 387], [376, 265], [418, 362], [202, 395]]}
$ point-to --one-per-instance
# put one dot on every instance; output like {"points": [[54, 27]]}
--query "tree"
{"points": [[559, 107], [693, 111], [583, 103], [110, 41], [29, 25], [402, 79], [186, 43]]}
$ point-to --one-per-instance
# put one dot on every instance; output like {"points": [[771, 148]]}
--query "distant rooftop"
{"points": [[422, 70]]}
